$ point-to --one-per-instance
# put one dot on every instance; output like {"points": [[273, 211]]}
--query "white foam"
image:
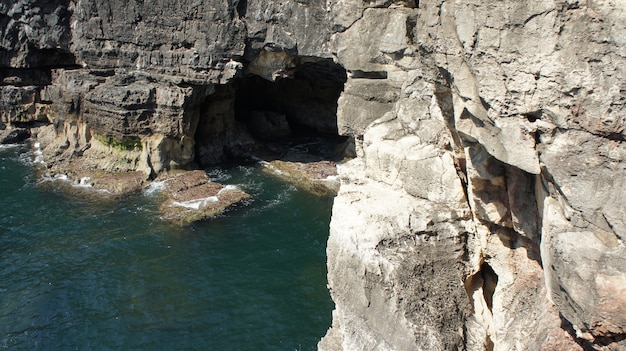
{"points": [[84, 183], [8, 146], [226, 188], [196, 204], [38, 157], [218, 175], [61, 177], [282, 196], [247, 170], [154, 187], [271, 167], [37, 153]]}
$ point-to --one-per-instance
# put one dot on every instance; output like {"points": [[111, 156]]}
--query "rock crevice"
{"points": [[483, 206]]}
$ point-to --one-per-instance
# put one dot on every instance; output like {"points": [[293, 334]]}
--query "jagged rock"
{"points": [[22, 104], [489, 138], [309, 164], [178, 38], [504, 117], [391, 255], [191, 197], [590, 283], [35, 34], [92, 183]]}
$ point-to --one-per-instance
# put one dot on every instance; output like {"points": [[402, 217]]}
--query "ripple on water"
{"points": [[88, 274]]}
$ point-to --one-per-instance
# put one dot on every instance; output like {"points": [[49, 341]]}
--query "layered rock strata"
{"points": [[484, 208]]}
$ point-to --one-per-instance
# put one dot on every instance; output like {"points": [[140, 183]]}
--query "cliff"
{"points": [[484, 207]]}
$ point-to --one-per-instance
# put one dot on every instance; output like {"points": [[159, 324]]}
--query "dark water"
{"points": [[83, 274]]}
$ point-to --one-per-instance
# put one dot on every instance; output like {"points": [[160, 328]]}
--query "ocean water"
{"points": [[92, 274]]}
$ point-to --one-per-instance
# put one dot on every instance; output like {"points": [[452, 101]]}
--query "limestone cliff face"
{"points": [[484, 209]]}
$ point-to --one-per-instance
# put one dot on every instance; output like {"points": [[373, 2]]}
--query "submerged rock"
{"points": [[317, 177], [309, 164], [94, 182], [192, 196]]}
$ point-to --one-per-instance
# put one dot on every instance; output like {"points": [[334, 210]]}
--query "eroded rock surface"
{"points": [[192, 196], [485, 207], [479, 107]]}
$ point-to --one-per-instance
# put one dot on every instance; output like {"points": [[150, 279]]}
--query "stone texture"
{"points": [[191, 197], [488, 114], [484, 209], [593, 300], [192, 39], [35, 33], [310, 174], [399, 258]]}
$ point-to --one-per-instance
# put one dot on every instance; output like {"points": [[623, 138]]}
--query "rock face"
{"points": [[484, 208], [493, 132]]}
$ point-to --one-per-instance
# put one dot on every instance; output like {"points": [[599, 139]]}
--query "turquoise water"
{"points": [[87, 274]]}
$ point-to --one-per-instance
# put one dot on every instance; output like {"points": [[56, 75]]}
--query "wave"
{"points": [[83, 182], [8, 146], [226, 188], [26, 158], [246, 170], [154, 188], [218, 175], [278, 199], [196, 204]]}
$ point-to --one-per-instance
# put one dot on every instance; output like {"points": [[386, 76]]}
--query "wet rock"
{"points": [[95, 184], [14, 136], [116, 183], [487, 134], [309, 164], [315, 176], [192, 197]]}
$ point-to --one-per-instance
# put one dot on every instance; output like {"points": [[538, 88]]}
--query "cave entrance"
{"points": [[256, 117], [307, 102]]}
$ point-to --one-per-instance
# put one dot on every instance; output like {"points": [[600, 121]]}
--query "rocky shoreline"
{"points": [[188, 195], [482, 207]]}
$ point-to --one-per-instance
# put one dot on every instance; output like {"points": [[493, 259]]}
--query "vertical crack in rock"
{"points": [[481, 287], [490, 131], [242, 8], [490, 280]]}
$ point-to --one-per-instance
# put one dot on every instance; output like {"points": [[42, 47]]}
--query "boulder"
{"points": [[191, 197]]}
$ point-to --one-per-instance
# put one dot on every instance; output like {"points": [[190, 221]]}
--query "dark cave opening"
{"points": [[253, 116], [490, 280], [307, 102]]}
